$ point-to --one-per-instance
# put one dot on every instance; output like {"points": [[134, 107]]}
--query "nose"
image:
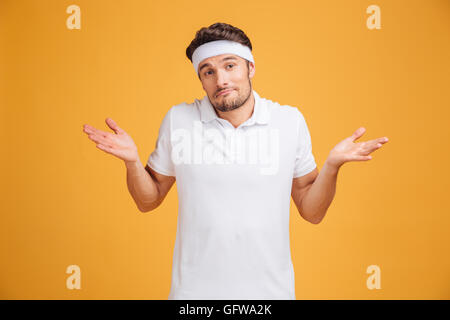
{"points": [[221, 80]]}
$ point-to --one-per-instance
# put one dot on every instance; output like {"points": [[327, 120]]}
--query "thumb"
{"points": [[113, 125], [358, 133]]}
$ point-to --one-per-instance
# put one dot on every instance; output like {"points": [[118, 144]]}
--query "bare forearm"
{"points": [[319, 196], [141, 186]]}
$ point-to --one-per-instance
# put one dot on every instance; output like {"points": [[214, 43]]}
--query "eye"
{"points": [[207, 72], [231, 65]]}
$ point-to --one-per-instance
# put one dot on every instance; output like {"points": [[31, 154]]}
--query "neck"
{"points": [[238, 116]]}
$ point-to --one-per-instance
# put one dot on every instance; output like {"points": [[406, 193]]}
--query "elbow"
{"points": [[145, 209], [311, 218], [142, 208], [148, 208], [315, 219]]}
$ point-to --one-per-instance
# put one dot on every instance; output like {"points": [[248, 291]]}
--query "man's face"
{"points": [[227, 73]]}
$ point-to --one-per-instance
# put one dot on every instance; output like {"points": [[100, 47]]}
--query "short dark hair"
{"points": [[218, 31]]}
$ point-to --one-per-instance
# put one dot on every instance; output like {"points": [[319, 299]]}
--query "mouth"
{"points": [[224, 92]]}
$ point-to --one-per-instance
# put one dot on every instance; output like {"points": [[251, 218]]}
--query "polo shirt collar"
{"points": [[260, 113]]}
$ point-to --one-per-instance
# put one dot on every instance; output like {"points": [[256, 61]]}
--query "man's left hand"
{"points": [[348, 150]]}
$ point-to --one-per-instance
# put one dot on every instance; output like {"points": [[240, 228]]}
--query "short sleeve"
{"points": [[160, 159], [304, 160]]}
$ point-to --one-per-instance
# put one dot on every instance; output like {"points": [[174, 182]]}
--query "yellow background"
{"points": [[66, 202]]}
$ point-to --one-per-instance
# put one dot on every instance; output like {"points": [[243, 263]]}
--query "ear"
{"points": [[251, 72]]}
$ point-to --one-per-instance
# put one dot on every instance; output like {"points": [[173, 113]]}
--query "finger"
{"points": [[379, 140], [90, 129], [99, 139], [87, 128], [383, 140], [113, 125], [367, 148], [375, 145], [105, 136], [358, 133]]}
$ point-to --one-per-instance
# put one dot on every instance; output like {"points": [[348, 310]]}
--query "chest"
{"points": [[221, 154]]}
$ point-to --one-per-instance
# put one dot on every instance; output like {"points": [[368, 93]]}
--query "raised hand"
{"points": [[349, 150], [118, 143]]}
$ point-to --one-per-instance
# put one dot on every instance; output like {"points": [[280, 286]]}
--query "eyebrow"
{"points": [[207, 64]]}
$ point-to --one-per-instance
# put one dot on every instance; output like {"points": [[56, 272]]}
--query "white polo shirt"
{"points": [[234, 189]]}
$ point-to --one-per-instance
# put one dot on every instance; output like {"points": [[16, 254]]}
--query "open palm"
{"points": [[349, 150], [118, 143]]}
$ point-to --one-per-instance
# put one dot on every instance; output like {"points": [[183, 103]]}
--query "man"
{"points": [[237, 159]]}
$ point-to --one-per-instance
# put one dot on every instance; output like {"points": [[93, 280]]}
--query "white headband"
{"points": [[217, 47]]}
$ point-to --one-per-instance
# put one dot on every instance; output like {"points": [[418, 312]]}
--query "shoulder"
{"points": [[174, 113], [284, 112], [185, 111]]}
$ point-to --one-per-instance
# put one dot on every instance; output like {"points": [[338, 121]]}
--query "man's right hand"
{"points": [[118, 143]]}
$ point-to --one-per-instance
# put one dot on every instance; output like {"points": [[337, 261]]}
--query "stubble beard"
{"points": [[228, 103]]}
